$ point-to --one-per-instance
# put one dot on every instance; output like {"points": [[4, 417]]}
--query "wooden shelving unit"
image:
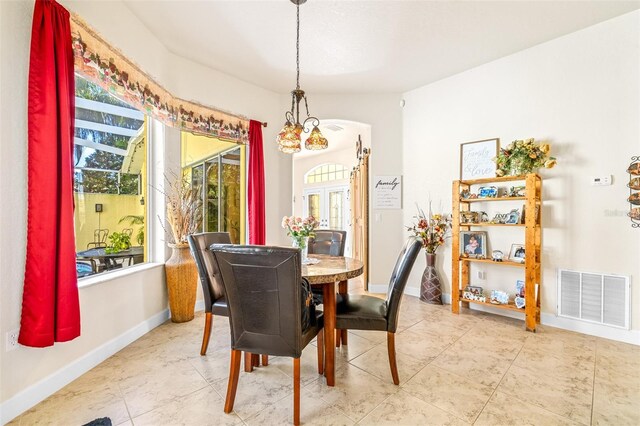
{"points": [[532, 237]]}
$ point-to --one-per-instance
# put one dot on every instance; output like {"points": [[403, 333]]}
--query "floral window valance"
{"points": [[97, 61]]}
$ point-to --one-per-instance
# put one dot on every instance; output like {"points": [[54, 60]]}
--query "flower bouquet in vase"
{"points": [[432, 230], [300, 230]]}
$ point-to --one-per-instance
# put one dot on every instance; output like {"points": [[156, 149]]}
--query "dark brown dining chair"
{"points": [[332, 243], [328, 241], [270, 309], [364, 312], [214, 300]]}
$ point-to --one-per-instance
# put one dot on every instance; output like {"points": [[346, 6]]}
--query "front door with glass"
{"points": [[330, 206]]}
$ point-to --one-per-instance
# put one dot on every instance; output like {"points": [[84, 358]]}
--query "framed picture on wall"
{"points": [[473, 243], [476, 159]]}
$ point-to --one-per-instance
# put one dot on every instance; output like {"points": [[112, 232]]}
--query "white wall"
{"points": [[384, 114], [580, 92], [121, 307]]}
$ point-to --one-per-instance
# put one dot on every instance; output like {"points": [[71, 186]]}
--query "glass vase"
{"points": [[430, 290], [303, 244]]}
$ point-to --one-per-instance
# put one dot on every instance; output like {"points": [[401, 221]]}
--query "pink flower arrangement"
{"points": [[298, 227]]}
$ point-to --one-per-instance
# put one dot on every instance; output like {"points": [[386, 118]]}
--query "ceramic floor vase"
{"points": [[430, 290], [182, 281]]}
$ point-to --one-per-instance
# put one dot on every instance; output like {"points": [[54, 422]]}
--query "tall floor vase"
{"points": [[182, 281], [430, 290]]}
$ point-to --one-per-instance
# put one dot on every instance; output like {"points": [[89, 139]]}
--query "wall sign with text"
{"points": [[476, 159], [387, 192]]}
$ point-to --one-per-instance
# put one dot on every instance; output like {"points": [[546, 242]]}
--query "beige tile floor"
{"points": [[471, 368]]}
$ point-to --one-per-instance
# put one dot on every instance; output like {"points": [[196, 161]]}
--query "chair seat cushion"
{"points": [[361, 312], [220, 307]]}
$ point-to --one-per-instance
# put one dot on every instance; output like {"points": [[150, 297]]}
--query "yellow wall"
{"points": [[114, 207], [197, 147]]}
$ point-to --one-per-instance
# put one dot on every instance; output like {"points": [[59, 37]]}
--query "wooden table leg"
{"points": [[329, 303], [343, 289]]}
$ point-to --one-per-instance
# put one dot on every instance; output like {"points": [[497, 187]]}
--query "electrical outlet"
{"points": [[482, 275], [12, 340]]}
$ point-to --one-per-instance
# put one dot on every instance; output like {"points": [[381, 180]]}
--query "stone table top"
{"points": [[331, 269]]}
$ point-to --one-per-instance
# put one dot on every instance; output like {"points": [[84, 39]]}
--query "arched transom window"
{"points": [[326, 173]]}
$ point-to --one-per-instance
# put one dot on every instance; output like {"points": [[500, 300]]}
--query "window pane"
{"points": [[212, 195], [335, 210], [109, 181], [230, 183], [313, 201]]}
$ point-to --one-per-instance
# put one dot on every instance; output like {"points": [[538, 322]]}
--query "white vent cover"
{"points": [[597, 298]]}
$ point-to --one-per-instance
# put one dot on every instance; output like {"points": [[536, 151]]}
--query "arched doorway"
{"points": [[322, 179]]}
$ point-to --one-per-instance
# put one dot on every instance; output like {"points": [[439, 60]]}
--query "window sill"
{"points": [[114, 275]]}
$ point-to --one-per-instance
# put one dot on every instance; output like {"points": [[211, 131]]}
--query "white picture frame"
{"points": [[387, 192], [476, 159]]}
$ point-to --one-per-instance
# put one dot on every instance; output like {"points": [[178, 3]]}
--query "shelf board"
{"points": [[492, 224], [475, 200], [509, 307], [494, 180], [503, 263]]}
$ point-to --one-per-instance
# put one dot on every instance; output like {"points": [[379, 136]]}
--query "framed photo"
{"points": [[514, 217], [517, 253], [473, 243], [476, 159]]}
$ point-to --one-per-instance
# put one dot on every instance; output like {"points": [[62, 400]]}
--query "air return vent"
{"points": [[597, 298]]}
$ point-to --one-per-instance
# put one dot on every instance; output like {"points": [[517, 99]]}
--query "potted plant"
{"points": [[183, 217], [523, 156], [135, 220], [120, 241]]}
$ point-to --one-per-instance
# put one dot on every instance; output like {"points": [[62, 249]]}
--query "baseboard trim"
{"points": [[29, 397], [552, 320], [620, 335]]}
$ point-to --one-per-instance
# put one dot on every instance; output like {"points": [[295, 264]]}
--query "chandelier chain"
{"points": [[298, 46]]}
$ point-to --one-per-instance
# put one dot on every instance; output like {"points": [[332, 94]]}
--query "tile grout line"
{"points": [[498, 385], [593, 383]]}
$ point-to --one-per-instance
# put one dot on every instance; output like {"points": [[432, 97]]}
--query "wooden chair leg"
{"points": [[232, 386], [320, 344], [296, 391], [208, 319], [343, 289], [248, 362], [391, 348], [265, 360], [255, 360]]}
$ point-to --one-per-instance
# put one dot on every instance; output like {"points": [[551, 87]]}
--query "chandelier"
{"points": [[289, 139]]}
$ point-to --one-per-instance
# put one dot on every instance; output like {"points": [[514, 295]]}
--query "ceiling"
{"points": [[361, 46]]}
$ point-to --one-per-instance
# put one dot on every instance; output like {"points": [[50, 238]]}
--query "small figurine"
{"points": [[497, 256], [488, 192], [464, 194]]}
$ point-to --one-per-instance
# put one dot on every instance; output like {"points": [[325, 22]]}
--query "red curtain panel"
{"points": [[50, 305], [257, 232]]}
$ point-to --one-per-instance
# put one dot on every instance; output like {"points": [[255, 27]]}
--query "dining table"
{"points": [[108, 261], [328, 271]]}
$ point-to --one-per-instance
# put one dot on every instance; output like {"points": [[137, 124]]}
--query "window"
{"points": [[216, 170], [109, 181], [327, 173]]}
